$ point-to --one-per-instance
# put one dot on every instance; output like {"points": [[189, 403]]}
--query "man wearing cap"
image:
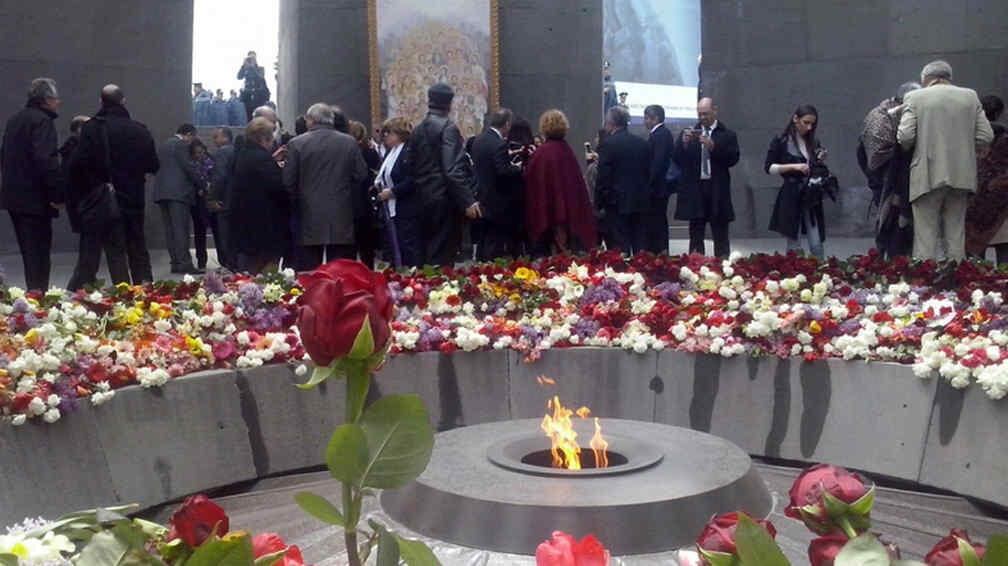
{"points": [[444, 179]]}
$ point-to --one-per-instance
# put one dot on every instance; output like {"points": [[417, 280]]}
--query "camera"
{"points": [[588, 147]]}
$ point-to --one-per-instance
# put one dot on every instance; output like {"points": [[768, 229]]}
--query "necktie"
{"points": [[705, 157]]}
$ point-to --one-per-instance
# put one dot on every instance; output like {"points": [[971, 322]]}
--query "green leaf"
{"points": [[399, 441], [320, 374], [907, 563], [8, 560], [388, 549], [416, 553], [363, 345], [320, 508], [235, 549], [358, 383], [997, 551], [718, 558], [834, 506], [865, 550], [105, 549], [347, 454], [864, 504], [755, 545], [968, 553]]}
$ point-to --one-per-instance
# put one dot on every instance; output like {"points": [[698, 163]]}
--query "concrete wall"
{"points": [[144, 46], [223, 427], [763, 58]]}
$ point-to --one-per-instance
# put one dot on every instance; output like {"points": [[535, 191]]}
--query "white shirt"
{"points": [[705, 153], [384, 178], [496, 131], [656, 126]]}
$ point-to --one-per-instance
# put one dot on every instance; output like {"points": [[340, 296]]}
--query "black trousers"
{"points": [[498, 240], [719, 233], [657, 226], [410, 244], [200, 221], [136, 245], [628, 232], [441, 233], [34, 238], [311, 256], [221, 228], [109, 238], [176, 216]]}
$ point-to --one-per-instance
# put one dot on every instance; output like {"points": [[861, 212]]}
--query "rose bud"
{"points": [[716, 543], [954, 550], [827, 498], [196, 520], [823, 550]]}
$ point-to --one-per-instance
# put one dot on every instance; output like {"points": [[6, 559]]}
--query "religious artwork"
{"points": [[416, 45]]}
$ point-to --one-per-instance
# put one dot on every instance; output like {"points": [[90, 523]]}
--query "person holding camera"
{"points": [[704, 154], [498, 173], [255, 93], [797, 157]]}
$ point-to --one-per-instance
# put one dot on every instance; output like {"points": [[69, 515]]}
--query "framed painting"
{"points": [[414, 45]]}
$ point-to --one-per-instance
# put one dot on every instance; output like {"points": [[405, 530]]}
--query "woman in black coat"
{"points": [[261, 214], [798, 212], [398, 194]]}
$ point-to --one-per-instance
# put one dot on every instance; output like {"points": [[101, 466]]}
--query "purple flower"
{"points": [[608, 291], [585, 328], [67, 395], [21, 306], [214, 283], [251, 296], [668, 290]]}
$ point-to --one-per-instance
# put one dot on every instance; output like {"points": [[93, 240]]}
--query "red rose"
{"points": [[823, 550], [947, 553], [719, 534], [338, 298], [810, 487], [269, 543], [563, 550], [196, 519]]}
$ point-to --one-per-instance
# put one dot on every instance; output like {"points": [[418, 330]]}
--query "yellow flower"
{"points": [[195, 346], [31, 336], [815, 327], [525, 274], [515, 298], [122, 286], [295, 292], [133, 316]]}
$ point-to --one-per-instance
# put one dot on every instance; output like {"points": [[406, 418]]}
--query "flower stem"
{"points": [[847, 528], [351, 503]]}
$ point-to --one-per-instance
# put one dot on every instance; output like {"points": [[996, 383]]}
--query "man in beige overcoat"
{"points": [[943, 125]]}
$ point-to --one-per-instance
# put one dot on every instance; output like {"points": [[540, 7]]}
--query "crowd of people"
{"points": [[408, 192]]}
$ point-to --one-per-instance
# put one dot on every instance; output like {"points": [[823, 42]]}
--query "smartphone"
{"points": [[588, 147]]}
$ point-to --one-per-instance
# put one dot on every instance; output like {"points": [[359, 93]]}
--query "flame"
{"points": [[543, 380], [559, 427]]}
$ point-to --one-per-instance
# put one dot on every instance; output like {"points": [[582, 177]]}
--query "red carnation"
{"points": [[196, 520], [719, 534]]}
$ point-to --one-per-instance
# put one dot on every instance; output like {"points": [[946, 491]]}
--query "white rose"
{"points": [[52, 415]]}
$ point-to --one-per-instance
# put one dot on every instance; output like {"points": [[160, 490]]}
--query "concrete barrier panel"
{"points": [[50, 469], [289, 428], [967, 443], [612, 383], [186, 437], [459, 389], [727, 397]]}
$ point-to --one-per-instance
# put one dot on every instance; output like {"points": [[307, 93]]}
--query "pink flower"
{"points": [[563, 550]]}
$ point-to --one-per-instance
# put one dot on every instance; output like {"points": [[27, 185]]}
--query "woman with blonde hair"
{"points": [[558, 214]]}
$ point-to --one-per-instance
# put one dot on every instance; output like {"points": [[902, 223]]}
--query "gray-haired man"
{"points": [[323, 169], [943, 124], [30, 162]]}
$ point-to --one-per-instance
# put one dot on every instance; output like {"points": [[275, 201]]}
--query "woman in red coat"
{"points": [[558, 213]]}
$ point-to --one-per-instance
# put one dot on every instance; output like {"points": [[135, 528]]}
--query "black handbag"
{"points": [[100, 206]]}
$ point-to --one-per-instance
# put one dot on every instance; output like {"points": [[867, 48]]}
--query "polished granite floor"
{"points": [[914, 520]]}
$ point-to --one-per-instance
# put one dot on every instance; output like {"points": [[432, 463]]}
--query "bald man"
{"points": [[704, 154], [131, 155]]}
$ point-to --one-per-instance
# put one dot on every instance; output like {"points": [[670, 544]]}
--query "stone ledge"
{"points": [[223, 427]]}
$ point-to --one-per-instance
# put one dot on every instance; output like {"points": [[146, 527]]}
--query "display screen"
{"points": [[651, 51]]}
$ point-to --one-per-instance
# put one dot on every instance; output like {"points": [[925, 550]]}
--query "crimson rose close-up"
{"points": [[947, 551], [719, 534], [563, 549], [338, 298], [196, 520]]}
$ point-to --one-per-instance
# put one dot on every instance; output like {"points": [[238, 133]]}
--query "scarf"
{"points": [[384, 178]]}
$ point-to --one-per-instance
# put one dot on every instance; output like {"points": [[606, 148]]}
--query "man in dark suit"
{"points": [[443, 177], [499, 190], [131, 157], [176, 190], [31, 187], [660, 141], [220, 195], [705, 153], [624, 194]]}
